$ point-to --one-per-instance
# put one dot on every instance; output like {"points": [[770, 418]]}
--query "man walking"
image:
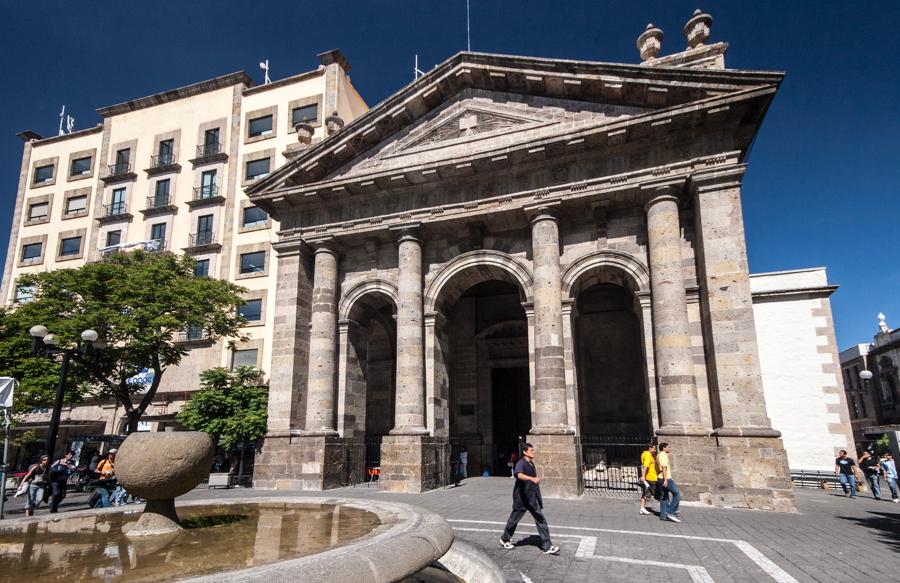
{"points": [[889, 469], [648, 476], [527, 498], [666, 485], [845, 470], [59, 478], [872, 471]]}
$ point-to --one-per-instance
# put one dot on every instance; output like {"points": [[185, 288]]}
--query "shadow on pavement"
{"points": [[885, 524]]}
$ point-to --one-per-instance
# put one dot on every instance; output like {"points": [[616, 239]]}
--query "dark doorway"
{"points": [[511, 404]]}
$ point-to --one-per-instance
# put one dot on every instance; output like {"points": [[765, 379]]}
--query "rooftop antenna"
{"points": [[468, 37], [62, 120], [264, 65], [417, 72], [70, 124]]}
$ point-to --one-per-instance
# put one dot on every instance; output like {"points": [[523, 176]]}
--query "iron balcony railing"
{"points": [[118, 169], [202, 238], [156, 201], [205, 191], [155, 245], [162, 160], [204, 150], [115, 209]]}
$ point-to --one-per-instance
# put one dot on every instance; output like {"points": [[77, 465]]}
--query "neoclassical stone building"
{"points": [[524, 246]]}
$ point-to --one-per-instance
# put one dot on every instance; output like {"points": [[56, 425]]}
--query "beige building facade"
{"points": [[167, 172]]}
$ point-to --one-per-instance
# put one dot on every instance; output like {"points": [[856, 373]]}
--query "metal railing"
{"points": [[815, 479], [155, 246], [156, 201], [204, 150], [202, 238], [161, 160], [613, 462], [190, 334], [205, 191], [115, 209], [118, 169]]}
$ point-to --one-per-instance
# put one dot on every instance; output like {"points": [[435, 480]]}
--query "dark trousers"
{"points": [[516, 515], [58, 492]]}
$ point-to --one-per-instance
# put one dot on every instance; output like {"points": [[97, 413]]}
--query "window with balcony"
{"points": [[254, 262], [113, 238], [122, 164], [76, 204], [202, 268], [32, 251], [204, 235], [165, 153], [81, 166], [208, 184], [194, 333], [304, 114], [254, 217], [161, 193], [260, 126], [244, 357], [117, 203], [70, 246], [211, 145], [38, 211], [257, 169], [158, 233], [251, 310], [43, 174]]}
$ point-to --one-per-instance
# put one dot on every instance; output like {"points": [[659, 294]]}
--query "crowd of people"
{"points": [[873, 468]]}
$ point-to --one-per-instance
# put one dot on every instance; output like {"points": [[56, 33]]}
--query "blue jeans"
{"points": [[848, 483], [35, 495], [874, 481], [892, 484], [667, 506]]}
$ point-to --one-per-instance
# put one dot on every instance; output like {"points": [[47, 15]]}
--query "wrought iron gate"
{"points": [[612, 463]]}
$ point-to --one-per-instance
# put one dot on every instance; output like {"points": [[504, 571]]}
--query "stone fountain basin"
{"points": [[407, 540]]}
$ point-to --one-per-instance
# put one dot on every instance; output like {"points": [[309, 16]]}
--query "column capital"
{"points": [[291, 247], [661, 191], [327, 244], [717, 178], [407, 232], [543, 211]]}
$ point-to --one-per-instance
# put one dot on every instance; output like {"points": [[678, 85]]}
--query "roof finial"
{"points": [[882, 325], [650, 42], [697, 29]]}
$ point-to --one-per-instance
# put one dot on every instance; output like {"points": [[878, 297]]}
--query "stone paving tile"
{"points": [[824, 541]]}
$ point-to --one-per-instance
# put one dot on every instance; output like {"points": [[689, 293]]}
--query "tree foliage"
{"points": [[231, 406], [139, 303]]}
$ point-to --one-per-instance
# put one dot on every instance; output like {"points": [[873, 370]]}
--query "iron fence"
{"points": [[612, 463]]}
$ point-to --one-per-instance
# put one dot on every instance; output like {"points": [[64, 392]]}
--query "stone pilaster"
{"points": [[320, 385], [678, 405], [353, 342]]}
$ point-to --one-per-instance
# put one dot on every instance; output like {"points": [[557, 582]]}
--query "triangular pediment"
{"points": [[465, 121]]}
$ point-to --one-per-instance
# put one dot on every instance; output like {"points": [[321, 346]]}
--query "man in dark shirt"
{"points": [[527, 498], [872, 470], [845, 470]]}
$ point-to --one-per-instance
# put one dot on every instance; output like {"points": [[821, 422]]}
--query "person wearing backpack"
{"points": [[107, 481], [59, 478], [36, 478]]}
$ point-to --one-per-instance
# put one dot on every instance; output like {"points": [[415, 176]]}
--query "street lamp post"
{"points": [[44, 344]]}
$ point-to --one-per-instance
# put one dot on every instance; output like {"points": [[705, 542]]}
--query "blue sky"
{"points": [[823, 187]]}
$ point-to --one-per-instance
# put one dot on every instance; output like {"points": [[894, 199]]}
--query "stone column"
{"points": [[353, 343], [409, 409], [320, 385], [550, 414], [678, 405]]}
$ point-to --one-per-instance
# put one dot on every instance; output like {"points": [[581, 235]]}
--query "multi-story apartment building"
{"points": [[167, 172]]}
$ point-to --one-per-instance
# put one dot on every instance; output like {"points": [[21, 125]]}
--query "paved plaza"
{"points": [[829, 539]]}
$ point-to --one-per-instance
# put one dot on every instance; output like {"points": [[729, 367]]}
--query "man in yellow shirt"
{"points": [[648, 476]]}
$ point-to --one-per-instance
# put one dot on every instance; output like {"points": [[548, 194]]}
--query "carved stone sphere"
{"points": [[162, 466]]}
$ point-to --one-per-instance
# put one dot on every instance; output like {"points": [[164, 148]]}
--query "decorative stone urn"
{"points": [[333, 123], [159, 467], [650, 42], [304, 133], [697, 29]]}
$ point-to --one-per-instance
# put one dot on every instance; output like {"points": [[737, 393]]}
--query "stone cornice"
{"points": [[814, 292], [175, 94], [717, 178]]}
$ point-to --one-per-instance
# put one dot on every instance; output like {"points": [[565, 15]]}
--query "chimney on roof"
{"points": [[697, 29], [650, 42]]}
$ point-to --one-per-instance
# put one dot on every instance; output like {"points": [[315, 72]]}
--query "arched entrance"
{"points": [[480, 367]]}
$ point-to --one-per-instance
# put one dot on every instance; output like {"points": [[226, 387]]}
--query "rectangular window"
{"points": [[244, 358], [211, 137], [76, 204], [254, 262], [81, 166], [166, 152], [208, 184], [254, 216], [194, 332], [123, 157], [70, 246], [38, 211], [202, 268], [32, 251], [161, 194], [117, 204], [305, 114], [113, 238], [24, 294], [43, 173], [257, 169], [251, 310], [261, 126], [158, 232]]}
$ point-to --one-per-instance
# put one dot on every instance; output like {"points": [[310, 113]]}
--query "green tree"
{"points": [[231, 406], [882, 444], [139, 303]]}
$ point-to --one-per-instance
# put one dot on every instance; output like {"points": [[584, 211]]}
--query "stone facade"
{"points": [[499, 220]]}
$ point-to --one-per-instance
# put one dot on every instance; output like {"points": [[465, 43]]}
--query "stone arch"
{"points": [[472, 268], [606, 266], [367, 294]]}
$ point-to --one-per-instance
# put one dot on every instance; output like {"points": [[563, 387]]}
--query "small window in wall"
{"points": [[254, 216], [76, 204], [81, 166], [70, 246], [113, 238], [257, 169], [202, 268], [254, 262], [260, 126], [38, 211], [43, 173], [24, 293], [251, 310], [305, 114], [32, 251], [244, 357]]}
